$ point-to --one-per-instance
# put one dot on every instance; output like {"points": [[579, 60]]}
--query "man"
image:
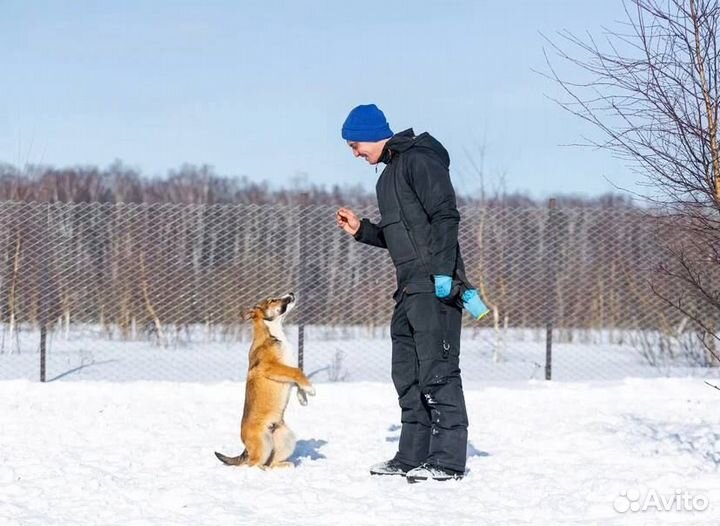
{"points": [[419, 227]]}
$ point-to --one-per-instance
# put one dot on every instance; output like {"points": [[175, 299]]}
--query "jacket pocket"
{"points": [[397, 238]]}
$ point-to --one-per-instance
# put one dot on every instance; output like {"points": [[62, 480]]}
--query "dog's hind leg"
{"points": [[283, 446], [259, 446]]}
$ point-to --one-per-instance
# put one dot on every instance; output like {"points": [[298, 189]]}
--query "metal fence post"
{"points": [[303, 232], [44, 283], [550, 250], [43, 339]]}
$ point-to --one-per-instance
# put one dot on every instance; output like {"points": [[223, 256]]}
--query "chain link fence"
{"points": [[156, 292]]}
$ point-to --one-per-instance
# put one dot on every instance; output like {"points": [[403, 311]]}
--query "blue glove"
{"points": [[473, 304], [443, 285]]}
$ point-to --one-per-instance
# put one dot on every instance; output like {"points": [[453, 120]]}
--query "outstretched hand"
{"points": [[347, 220]]}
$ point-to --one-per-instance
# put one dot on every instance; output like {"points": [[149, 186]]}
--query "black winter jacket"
{"points": [[419, 216]]}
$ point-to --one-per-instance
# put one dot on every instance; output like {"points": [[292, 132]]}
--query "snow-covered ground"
{"points": [[541, 453]]}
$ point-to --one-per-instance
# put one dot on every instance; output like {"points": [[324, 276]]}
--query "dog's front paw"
{"points": [[309, 390], [302, 397]]}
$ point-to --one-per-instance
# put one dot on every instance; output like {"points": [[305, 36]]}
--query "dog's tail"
{"points": [[233, 461]]}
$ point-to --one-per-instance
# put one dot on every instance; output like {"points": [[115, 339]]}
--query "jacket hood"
{"points": [[406, 140]]}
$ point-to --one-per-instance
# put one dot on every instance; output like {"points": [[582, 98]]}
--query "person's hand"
{"points": [[473, 304], [443, 285], [347, 220]]}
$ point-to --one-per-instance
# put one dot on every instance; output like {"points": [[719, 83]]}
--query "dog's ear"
{"points": [[249, 314]]}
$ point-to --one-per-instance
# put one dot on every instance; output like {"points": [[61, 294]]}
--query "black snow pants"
{"points": [[426, 372]]}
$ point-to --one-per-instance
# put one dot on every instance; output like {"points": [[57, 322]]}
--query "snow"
{"points": [[541, 453]]}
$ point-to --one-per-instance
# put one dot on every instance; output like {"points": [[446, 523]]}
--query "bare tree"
{"points": [[651, 87]]}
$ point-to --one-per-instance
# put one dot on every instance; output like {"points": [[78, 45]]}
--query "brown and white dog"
{"points": [[267, 439]]}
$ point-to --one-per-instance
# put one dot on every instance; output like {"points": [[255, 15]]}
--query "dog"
{"points": [[268, 441]]}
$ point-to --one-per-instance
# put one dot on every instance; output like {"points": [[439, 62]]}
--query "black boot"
{"points": [[390, 467], [431, 472]]}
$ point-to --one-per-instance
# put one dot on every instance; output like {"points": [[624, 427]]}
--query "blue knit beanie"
{"points": [[366, 123]]}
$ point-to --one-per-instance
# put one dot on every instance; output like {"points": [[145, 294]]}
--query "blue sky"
{"points": [[261, 88]]}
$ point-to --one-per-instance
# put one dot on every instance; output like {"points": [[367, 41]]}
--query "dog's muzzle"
{"points": [[288, 302]]}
